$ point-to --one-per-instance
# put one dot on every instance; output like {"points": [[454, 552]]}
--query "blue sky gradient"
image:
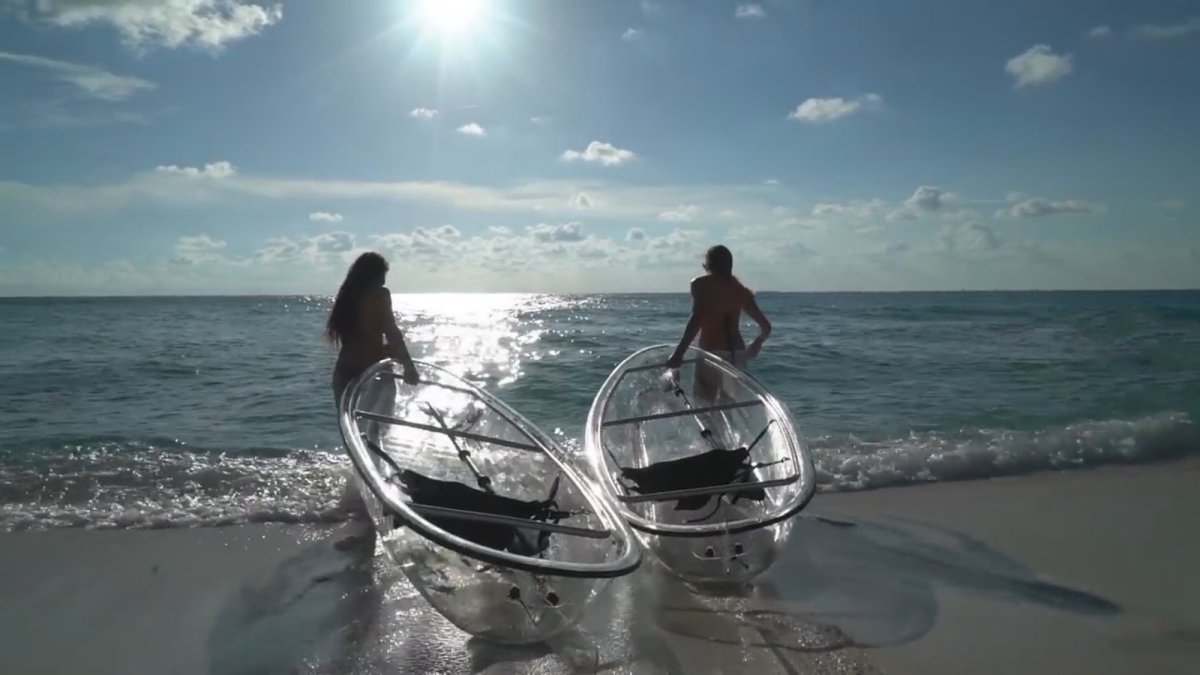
{"points": [[208, 146]]}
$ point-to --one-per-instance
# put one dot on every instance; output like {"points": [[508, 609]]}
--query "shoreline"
{"points": [[1059, 571]]}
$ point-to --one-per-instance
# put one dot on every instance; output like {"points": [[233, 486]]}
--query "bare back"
{"points": [[717, 305], [366, 346]]}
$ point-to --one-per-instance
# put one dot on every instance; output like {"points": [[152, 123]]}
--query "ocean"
{"points": [[208, 411]]}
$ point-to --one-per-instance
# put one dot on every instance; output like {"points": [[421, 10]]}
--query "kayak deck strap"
{"points": [[453, 433], [480, 517], [728, 488], [681, 413]]}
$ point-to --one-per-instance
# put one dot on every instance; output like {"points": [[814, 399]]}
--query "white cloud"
{"points": [[500, 230], [632, 34], [1038, 66], [423, 113], [566, 232], [853, 209], [635, 234], [216, 170], [472, 129], [1024, 206], [750, 11], [606, 154], [926, 199], [1161, 32], [540, 120], [322, 249], [325, 217], [87, 80], [550, 200], [170, 23], [581, 201], [683, 213], [651, 6], [770, 181], [1100, 33], [972, 237], [197, 249], [828, 109]]}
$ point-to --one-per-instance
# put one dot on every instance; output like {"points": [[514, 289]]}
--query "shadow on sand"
{"points": [[842, 586]]}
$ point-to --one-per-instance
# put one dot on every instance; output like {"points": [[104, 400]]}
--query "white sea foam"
{"points": [[141, 486]]}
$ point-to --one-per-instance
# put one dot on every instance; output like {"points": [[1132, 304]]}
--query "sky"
{"points": [[222, 147]]}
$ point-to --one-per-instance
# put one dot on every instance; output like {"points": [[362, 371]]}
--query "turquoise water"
{"points": [[145, 412]]}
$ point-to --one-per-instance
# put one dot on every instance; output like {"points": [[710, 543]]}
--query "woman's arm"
{"points": [[384, 320], [764, 324], [689, 332]]}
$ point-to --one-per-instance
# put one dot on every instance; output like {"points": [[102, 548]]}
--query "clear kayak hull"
{"points": [[704, 463], [482, 512]]}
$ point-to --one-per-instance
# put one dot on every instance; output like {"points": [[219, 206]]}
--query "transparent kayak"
{"points": [[705, 463], [481, 510]]}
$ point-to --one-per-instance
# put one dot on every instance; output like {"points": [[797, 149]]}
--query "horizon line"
{"points": [[593, 293]]}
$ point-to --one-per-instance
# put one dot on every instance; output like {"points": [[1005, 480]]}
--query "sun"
{"points": [[451, 18]]}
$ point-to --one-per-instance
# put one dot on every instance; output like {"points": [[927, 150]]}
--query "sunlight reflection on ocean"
{"points": [[216, 410]]}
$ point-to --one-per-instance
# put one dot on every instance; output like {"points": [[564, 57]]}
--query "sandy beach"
{"points": [[1083, 571]]}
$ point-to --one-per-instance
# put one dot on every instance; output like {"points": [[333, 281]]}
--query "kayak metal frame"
{"points": [[600, 456], [412, 514]]}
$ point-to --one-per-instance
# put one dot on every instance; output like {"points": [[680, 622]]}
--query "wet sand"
{"points": [[1086, 571]]}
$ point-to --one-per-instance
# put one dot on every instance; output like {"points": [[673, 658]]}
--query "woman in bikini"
{"points": [[718, 300], [363, 326]]}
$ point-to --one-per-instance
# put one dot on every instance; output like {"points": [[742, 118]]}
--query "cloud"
{"points": [[632, 34], [1159, 32], [1100, 33], [423, 113], [1023, 206], [750, 11], [197, 249], [819, 110], [926, 199], [549, 200], [1038, 66], [635, 234], [1173, 204], [566, 232], [540, 120], [770, 181], [325, 217], [322, 249], [170, 23], [853, 209], [216, 170], [88, 80], [683, 213], [581, 201], [472, 129], [972, 237], [606, 154], [651, 6]]}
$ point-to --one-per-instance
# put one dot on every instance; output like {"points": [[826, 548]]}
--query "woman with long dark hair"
{"points": [[718, 300], [363, 326]]}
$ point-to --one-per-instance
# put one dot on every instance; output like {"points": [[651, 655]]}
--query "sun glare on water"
{"points": [[452, 18]]}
